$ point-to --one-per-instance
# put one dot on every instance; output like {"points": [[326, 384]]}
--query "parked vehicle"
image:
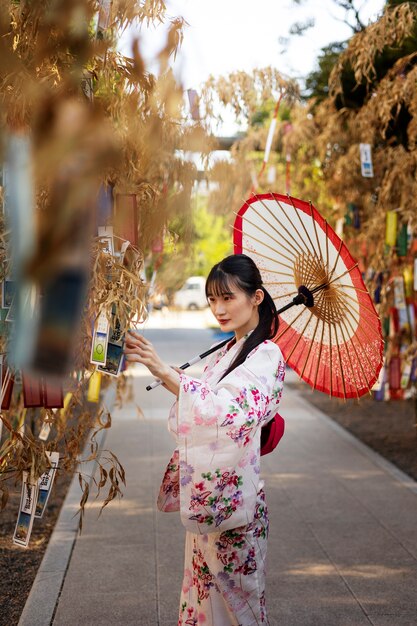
{"points": [[192, 295]]}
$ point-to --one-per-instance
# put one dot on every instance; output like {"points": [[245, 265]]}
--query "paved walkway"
{"points": [[343, 538]]}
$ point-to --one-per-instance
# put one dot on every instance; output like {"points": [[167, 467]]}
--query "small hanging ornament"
{"points": [[378, 288], [415, 275], [379, 387], [402, 240], [394, 373], [408, 281], [405, 374], [413, 371], [399, 292], [94, 385], [367, 169], [391, 228]]}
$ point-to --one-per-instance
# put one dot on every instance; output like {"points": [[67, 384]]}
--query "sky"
{"points": [[228, 35]]}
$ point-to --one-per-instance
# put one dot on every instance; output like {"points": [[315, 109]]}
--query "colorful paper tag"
{"points": [[100, 340], [28, 499], [45, 483]]}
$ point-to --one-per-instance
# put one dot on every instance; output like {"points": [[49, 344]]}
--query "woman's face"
{"points": [[235, 311]]}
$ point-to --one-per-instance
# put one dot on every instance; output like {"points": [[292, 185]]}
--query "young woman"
{"points": [[213, 477]]}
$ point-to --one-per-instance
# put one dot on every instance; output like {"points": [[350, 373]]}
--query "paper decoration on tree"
{"points": [[104, 15], [126, 217], [53, 395], [194, 103], [45, 483], [394, 377], [32, 391], [100, 340], [399, 293], [104, 206], [391, 228], [94, 385], [402, 240], [60, 311], [28, 499], [367, 169], [7, 383]]}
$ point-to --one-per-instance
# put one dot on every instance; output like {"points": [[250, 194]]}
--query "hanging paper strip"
{"points": [[100, 340], [94, 386], [44, 431], [413, 372], [6, 389], [378, 288], [67, 400], [53, 394], [405, 374], [367, 169], [415, 275], [268, 144], [408, 281], [391, 228], [126, 217], [399, 292], [394, 374], [402, 240], [32, 390], [394, 322], [104, 206], [104, 14], [288, 174], [28, 499], [194, 103], [45, 483]]}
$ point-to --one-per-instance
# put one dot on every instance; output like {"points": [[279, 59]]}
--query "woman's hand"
{"points": [[140, 350]]}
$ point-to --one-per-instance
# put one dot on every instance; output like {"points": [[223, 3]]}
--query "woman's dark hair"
{"points": [[240, 270]]}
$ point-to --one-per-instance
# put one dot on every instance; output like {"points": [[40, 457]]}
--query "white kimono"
{"points": [[213, 479]]}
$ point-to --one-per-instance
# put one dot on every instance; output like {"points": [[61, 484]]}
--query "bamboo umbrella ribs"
{"points": [[334, 342]]}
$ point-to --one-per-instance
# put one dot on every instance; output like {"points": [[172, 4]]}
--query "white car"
{"points": [[192, 295]]}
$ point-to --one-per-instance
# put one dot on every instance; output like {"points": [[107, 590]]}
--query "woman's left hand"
{"points": [[140, 350]]}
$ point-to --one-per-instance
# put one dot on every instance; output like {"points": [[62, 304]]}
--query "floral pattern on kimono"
{"points": [[213, 479], [224, 575], [218, 427]]}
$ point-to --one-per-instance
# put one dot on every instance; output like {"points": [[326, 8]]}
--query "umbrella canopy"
{"points": [[334, 342]]}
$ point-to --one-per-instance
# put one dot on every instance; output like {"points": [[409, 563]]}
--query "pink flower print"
{"points": [[200, 486], [229, 419], [184, 429], [206, 421], [186, 473], [255, 394], [188, 581]]}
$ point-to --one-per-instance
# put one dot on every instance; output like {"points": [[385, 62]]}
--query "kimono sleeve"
{"points": [[219, 441]]}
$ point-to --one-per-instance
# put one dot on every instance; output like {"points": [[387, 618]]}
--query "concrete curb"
{"points": [[41, 603]]}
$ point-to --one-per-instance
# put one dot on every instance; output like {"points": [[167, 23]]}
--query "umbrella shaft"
{"points": [[300, 299]]}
